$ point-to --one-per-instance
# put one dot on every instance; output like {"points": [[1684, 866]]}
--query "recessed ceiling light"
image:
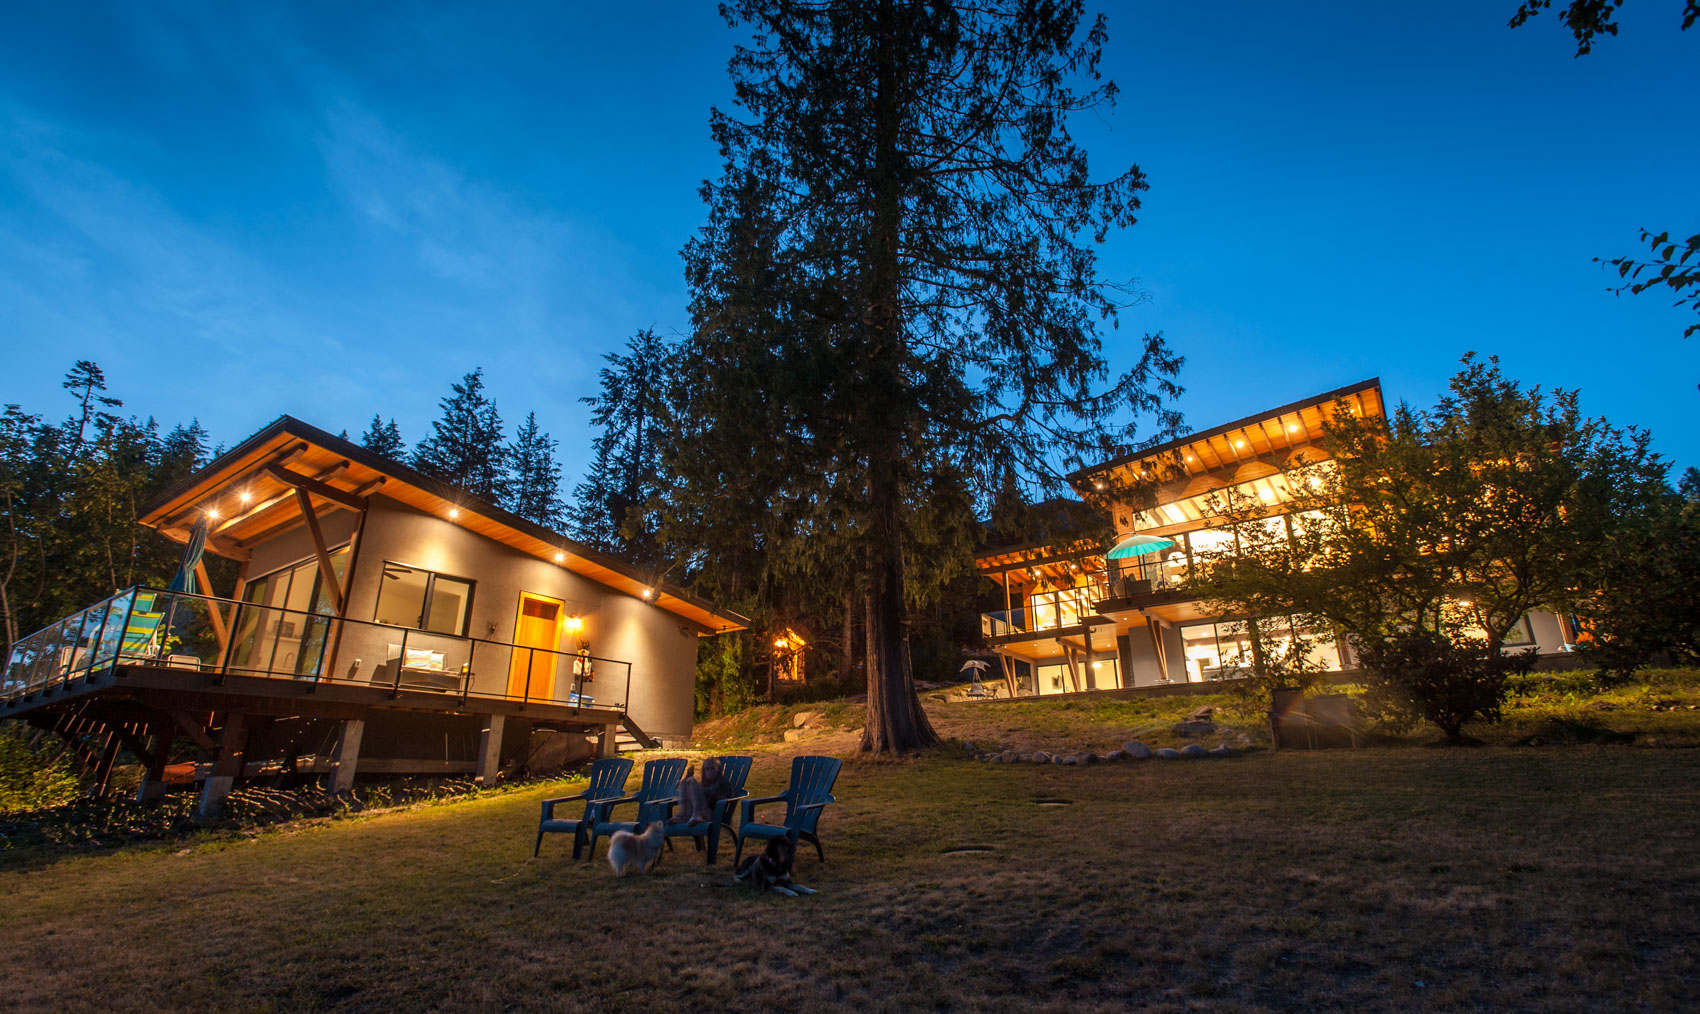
{"points": [[245, 496], [1239, 443], [559, 557], [212, 513], [454, 512]]}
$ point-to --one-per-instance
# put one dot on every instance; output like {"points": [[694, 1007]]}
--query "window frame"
{"points": [[426, 601]]}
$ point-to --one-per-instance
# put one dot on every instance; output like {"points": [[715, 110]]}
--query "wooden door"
{"points": [[538, 626]]}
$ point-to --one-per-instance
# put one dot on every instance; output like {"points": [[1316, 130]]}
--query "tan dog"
{"points": [[632, 853]]}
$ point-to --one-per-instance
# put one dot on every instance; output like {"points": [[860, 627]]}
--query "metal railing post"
{"points": [[467, 670], [530, 657], [124, 628], [100, 635], [400, 663], [626, 699], [236, 617]]}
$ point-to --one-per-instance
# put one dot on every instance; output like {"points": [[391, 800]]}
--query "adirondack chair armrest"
{"points": [[747, 809], [815, 806], [549, 804]]}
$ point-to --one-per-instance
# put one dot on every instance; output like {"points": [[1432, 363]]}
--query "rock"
{"points": [[1168, 753], [1056, 758], [1090, 758], [1025, 758], [1244, 742], [1194, 750], [970, 747], [1041, 757], [1115, 755], [793, 735], [1224, 751], [1193, 730], [803, 718], [1136, 750], [1010, 756], [1071, 759]]}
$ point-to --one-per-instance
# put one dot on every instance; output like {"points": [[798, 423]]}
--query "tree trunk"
{"points": [[847, 647], [896, 722]]}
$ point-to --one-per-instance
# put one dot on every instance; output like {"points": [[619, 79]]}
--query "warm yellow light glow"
{"points": [[648, 593], [575, 623], [246, 496], [1267, 495], [1097, 485], [559, 557], [1239, 443], [779, 643], [454, 512], [1292, 427], [212, 513]]}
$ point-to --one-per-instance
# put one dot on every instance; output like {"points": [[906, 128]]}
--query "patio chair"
{"points": [[607, 780], [736, 771], [809, 792], [658, 790]]}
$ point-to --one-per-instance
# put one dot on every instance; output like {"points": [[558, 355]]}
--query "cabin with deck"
{"points": [[1076, 619], [382, 622]]}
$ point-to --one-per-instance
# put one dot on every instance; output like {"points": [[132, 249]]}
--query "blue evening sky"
{"points": [[328, 209]]}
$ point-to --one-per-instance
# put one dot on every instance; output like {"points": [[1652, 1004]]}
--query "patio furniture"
{"points": [[736, 771], [809, 792], [654, 798], [607, 780]]}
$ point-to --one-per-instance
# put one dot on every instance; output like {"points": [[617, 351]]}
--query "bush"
{"points": [[31, 777], [1419, 674]]}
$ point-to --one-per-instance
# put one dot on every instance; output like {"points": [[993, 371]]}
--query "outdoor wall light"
{"points": [[575, 624]]}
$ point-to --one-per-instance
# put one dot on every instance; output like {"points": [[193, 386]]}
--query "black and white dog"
{"points": [[771, 871]]}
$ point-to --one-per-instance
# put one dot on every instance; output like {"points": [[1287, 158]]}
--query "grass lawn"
{"points": [[1556, 878]]}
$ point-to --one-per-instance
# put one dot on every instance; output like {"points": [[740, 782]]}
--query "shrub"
{"points": [[31, 777], [1419, 674]]}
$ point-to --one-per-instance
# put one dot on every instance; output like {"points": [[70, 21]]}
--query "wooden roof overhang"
{"points": [[1026, 565], [259, 490], [1272, 435]]}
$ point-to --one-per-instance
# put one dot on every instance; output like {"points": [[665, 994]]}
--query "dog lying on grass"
{"points": [[632, 853], [771, 871]]}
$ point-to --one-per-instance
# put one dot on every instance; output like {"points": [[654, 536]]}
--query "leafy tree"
{"points": [[1443, 677], [534, 488], [1642, 595], [610, 507], [18, 466], [466, 448], [1589, 18], [1456, 521], [898, 253], [383, 439]]}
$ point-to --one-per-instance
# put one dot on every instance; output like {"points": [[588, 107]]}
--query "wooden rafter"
{"points": [[326, 571]]}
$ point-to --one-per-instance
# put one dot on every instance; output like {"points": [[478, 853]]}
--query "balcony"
{"points": [[166, 630], [1049, 610]]}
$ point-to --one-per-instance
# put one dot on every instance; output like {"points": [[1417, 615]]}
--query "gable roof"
{"points": [[249, 492]]}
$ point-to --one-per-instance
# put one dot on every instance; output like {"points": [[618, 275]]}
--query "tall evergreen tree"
{"points": [[465, 447], [85, 380], [608, 509], [534, 487], [928, 293], [384, 439]]}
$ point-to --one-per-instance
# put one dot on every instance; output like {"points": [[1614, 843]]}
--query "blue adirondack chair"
{"points": [[660, 786], [809, 792], [736, 770], [607, 780]]}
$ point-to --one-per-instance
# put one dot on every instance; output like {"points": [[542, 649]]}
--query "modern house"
{"points": [[383, 621], [1075, 620]]}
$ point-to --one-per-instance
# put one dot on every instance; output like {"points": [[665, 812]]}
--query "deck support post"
{"points": [[347, 755], [490, 750], [153, 765], [232, 746], [607, 741]]}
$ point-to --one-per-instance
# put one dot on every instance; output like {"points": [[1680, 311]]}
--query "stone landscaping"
{"points": [[1199, 723]]}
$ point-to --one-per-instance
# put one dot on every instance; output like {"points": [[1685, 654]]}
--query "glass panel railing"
{"points": [[180, 630]]}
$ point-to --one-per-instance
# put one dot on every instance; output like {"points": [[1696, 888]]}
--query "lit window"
{"points": [[411, 597]]}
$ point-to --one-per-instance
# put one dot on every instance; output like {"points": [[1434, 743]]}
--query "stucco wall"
{"points": [[660, 646], [296, 545]]}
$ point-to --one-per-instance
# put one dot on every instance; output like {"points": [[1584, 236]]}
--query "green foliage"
{"points": [[1418, 673], [1675, 266], [611, 506], [724, 684], [466, 447], [1589, 18], [534, 486], [30, 777], [384, 438]]}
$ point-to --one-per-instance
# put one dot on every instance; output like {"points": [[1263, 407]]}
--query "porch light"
{"points": [[559, 557], [781, 643], [575, 624], [454, 512], [648, 593]]}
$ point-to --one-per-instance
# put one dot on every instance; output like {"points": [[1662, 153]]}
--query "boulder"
{"points": [[1167, 753], [1041, 757], [1136, 750], [793, 735], [1224, 751], [1193, 730], [1025, 758], [1010, 756], [1071, 759], [803, 718], [1090, 758], [1115, 755], [1194, 750]]}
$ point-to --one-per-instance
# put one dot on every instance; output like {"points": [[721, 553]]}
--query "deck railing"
{"points": [[1063, 608], [181, 630]]}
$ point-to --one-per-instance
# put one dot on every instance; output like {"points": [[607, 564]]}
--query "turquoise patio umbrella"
{"points": [[1139, 545], [192, 550]]}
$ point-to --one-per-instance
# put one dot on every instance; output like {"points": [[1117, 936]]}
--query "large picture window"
{"points": [[412, 597]]}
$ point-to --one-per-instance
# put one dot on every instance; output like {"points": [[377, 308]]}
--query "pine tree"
{"points": [[85, 381], [465, 447], [900, 241], [608, 509], [534, 489], [383, 439], [181, 452]]}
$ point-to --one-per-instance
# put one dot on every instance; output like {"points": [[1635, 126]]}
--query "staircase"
{"points": [[630, 737]]}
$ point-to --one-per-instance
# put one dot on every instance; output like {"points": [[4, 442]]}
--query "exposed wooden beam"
{"points": [[282, 457], [213, 609], [308, 484], [326, 572]]}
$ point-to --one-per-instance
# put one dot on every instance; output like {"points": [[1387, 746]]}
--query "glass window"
{"points": [[411, 597]]}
